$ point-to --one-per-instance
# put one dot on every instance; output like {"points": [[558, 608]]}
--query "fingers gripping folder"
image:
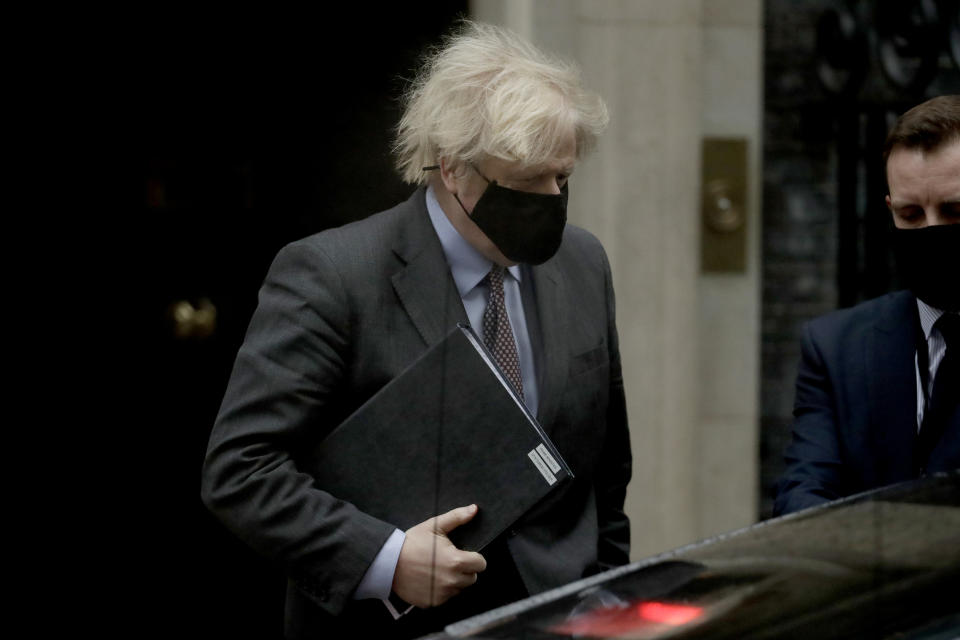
{"points": [[448, 431]]}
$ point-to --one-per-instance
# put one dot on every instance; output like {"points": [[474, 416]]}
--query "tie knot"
{"points": [[949, 327], [495, 277]]}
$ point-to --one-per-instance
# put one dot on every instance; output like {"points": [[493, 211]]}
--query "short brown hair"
{"points": [[926, 126]]}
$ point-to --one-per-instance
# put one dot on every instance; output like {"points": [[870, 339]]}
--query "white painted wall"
{"points": [[672, 72]]}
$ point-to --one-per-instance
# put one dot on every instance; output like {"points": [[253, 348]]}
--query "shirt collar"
{"points": [[467, 265], [928, 317]]}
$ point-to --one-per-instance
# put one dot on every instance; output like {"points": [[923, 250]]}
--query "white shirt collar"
{"points": [[928, 317]]}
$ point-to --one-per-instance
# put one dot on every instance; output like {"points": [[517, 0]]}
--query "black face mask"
{"points": [[526, 227], [928, 259]]}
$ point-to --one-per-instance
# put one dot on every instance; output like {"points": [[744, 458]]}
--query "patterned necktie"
{"points": [[946, 390], [497, 333]]}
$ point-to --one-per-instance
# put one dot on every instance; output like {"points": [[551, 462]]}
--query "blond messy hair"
{"points": [[487, 92]]}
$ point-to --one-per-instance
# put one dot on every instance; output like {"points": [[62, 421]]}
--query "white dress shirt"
{"points": [[936, 349]]}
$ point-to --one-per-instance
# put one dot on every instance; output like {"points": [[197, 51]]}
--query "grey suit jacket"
{"points": [[341, 313]]}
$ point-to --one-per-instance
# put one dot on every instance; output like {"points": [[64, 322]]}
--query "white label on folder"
{"points": [[544, 471], [542, 450]]}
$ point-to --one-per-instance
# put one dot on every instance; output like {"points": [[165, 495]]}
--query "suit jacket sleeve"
{"points": [[281, 394], [616, 460], [814, 457]]}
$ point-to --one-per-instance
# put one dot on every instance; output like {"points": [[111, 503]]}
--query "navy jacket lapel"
{"points": [[891, 377]]}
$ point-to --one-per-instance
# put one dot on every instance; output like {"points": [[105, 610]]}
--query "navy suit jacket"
{"points": [[340, 314], [855, 414]]}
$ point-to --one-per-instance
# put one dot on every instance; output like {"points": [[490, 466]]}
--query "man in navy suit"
{"points": [[877, 388]]}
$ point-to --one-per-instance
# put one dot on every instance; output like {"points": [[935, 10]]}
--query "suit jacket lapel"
{"points": [[892, 385], [428, 295], [423, 284], [551, 297]]}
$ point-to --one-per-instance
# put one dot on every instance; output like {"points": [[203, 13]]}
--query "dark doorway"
{"points": [[253, 131]]}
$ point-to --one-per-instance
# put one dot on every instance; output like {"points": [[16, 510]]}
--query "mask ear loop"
{"points": [[433, 167], [474, 167]]}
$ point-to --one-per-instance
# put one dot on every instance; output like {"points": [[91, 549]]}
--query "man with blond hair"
{"points": [[491, 132]]}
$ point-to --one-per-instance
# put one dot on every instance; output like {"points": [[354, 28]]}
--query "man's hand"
{"points": [[428, 559]]}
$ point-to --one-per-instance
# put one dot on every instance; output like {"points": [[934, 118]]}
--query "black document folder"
{"points": [[449, 431]]}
